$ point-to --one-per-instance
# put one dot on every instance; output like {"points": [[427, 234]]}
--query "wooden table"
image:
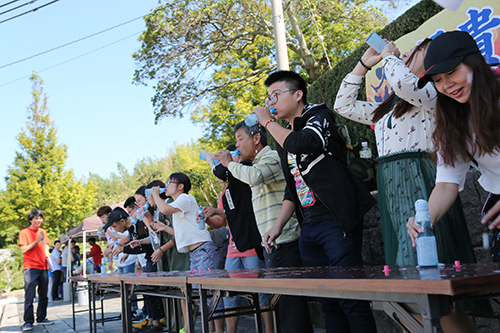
{"points": [[160, 284], [433, 290]]}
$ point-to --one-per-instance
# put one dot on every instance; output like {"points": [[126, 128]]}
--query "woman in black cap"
{"points": [[467, 126], [404, 123]]}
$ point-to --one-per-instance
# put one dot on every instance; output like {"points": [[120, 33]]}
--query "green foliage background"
{"points": [[326, 87]]}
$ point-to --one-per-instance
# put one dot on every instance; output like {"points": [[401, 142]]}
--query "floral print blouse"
{"points": [[412, 131]]}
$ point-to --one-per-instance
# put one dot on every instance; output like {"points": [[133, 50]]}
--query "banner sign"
{"points": [[480, 18]]}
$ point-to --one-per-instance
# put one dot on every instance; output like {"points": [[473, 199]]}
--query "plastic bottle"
{"points": [[142, 212], [201, 218], [253, 119], [103, 269], [149, 191], [365, 151], [203, 156], [115, 258], [426, 242]]}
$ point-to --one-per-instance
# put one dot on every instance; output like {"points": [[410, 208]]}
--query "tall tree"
{"points": [[37, 179], [188, 42]]}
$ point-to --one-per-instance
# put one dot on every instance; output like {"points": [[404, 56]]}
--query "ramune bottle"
{"points": [[426, 242]]}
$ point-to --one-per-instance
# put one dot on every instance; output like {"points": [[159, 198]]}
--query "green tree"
{"points": [[37, 179], [182, 158], [188, 43]]}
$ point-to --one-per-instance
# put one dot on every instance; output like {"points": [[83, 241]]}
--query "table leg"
{"points": [[126, 315], [73, 288], [432, 309], [95, 287], [189, 305], [258, 314], [203, 310]]}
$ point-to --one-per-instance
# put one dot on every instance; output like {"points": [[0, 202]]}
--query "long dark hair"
{"points": [[402, 106], [474, 124]]}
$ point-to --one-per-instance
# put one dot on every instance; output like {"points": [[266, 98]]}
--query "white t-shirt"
{"points": [[489, 165], [185, 226]]}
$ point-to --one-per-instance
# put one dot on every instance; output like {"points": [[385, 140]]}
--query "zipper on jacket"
{"points": [[317, 196]]}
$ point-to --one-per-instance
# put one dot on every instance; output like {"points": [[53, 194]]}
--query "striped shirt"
{"points": [[266, 179]]}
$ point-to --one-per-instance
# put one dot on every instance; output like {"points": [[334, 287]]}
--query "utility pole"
{"points": [[279, 35]]}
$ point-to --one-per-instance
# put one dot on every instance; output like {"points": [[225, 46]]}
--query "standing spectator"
{"points": [[95, 253], [56, 270], [267, 182], [34, 245], [76, 258], [64, 264], [329, 201]]}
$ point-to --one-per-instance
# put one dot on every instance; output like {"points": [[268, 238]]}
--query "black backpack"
{"points": [[363, 168]]}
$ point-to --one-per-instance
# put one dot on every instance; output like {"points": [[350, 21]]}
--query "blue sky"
{"points": [[99, 114]]}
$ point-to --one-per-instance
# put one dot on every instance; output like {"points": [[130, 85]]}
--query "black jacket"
{"points": [[320, 159], [237, 201]]}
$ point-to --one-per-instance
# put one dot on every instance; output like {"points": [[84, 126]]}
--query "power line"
{"points": [[29, 11], [24, 4], [69, 43], [81, 55], [8, 3]]}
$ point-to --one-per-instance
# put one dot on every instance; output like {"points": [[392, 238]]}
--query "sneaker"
{"points": [[57, 299], [143, 323], [27, 327], [138, 317], [45, 322], [163, 321], [182, 330]]}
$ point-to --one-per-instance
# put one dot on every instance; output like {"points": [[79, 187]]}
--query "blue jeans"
{"points": [[293, 311], [242, 263], [323, 244], [32, 279], [202, 258], [126, 269]]}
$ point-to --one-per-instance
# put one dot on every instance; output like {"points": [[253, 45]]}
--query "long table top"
{"points": [[444, 280]]}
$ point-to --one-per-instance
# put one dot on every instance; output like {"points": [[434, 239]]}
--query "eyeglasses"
{"points": [[170, 182], [273, 98]]}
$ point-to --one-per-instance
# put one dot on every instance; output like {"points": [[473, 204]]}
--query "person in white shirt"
{"points": [[203, 253]]}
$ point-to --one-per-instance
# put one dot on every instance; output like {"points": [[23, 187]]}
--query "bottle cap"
{"points": [[421, 205], [364, 144]]}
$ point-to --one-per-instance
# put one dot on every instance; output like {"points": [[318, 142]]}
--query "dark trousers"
{"points": [[324, 244], [56, 282], [32, 279], [293, 311], [153, 305]]}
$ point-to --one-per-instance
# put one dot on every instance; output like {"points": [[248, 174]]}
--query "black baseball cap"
{"points": [[446, 52], [116, 215]]}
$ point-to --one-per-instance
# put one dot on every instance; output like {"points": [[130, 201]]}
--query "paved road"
{"points": [[60, 312]]}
